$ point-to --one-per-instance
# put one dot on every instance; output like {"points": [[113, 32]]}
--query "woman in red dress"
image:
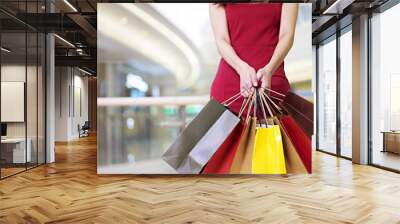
{"points": [[253, 40]]}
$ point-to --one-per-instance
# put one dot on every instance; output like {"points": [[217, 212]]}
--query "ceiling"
{"points": [[332, 15], [76, 22]]}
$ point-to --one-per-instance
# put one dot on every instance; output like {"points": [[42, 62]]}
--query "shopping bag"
{"points": [[300, 140], [293, 161], [268, 156], [301, 110], [241, 163], [221, 161], [201, 138]]}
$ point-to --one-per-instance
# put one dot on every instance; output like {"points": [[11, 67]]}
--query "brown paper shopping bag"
{"points": [[241, 163], [242, 160]]}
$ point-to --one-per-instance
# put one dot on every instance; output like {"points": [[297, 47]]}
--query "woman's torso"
{"points": [[254, 30], [254, 33]]}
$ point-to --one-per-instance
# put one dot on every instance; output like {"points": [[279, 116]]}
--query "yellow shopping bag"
{"points": [[268, 156]]}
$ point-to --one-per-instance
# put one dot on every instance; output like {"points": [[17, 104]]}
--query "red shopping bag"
{"points": [[300, 140], [221, 161], [301, 110]]}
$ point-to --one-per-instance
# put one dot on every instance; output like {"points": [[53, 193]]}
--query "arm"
{"points": [[286, 37], [219, 24]]}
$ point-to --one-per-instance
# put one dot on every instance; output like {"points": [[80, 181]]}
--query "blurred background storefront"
{"points": [[156, 63]]}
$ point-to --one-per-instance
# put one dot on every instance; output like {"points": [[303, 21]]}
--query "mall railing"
{"points": [[181, 101]]}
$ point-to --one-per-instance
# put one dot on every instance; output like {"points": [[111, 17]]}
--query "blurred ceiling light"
{"points": [[70, 5], [79, 51], [183, 78], [196, 26], [84, 71], [5, 50], [64, 40], [337, 7], [135, 81]]}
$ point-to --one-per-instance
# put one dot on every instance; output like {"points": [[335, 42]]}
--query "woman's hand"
{"points": [[264, 75], [248, 79]]}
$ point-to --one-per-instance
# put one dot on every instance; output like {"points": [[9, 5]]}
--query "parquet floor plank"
{"points": [[70, 191]]}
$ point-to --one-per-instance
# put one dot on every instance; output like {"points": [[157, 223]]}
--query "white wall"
{"points": [[62, 81], [71, 93], [33, 126], [17, 73], [14, 73], [81, 100]]}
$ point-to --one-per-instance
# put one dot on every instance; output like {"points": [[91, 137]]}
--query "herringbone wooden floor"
{"points": [[70, 191]]}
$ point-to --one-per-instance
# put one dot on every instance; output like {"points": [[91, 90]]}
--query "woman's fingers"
{"points": [[248, 80], [248, 88], [252, 90], [264, 76], [244, 90], [253, 78], [265, 82], [259, 74]]}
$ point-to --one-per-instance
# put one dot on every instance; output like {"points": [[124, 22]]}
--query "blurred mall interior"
{"points": [[181, 62], [135, 74]]}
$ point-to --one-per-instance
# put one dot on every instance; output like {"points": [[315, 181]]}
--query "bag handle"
{"points": [[235, 97], [271, 112], [267, 105], [255, 104], [278, 108], [273, 91], [266, 90], [262, 106], [249, 108], [245, 103], [276, 98], [231, 99]]}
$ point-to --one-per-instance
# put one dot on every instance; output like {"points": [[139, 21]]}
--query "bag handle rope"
{"points": [[273, 91], [275, 106], [235, 97], [244, 105], [267, 105], [251, 99], [262, 106]]}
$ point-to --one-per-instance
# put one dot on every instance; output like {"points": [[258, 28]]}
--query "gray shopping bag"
{"points": [[201, 138]]}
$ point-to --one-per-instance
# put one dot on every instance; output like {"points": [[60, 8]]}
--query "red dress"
{"points": [[254, 33]]}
